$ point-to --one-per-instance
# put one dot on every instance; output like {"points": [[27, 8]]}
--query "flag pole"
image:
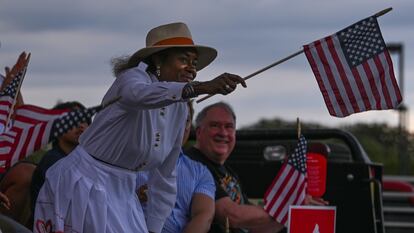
{"points": [[383, 12], [227, 225], [260, 71], [378, 14], [17, 94], [298, 127]]}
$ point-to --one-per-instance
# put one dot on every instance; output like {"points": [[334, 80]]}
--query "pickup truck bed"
{"points": [[353, 182]]}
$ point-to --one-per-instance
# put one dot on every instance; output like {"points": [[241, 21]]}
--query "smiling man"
{"points": [[216, 137]]}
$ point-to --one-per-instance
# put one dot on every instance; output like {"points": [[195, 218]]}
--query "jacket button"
{"points": [[141, 165]]}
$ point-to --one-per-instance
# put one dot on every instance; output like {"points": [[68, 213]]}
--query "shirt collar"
{"points": [[143, 66]]}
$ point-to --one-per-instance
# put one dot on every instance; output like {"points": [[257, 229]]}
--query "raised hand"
{"points": [[20, 65], [223, 84]]}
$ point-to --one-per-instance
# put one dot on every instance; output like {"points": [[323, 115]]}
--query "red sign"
{"points": [[316, 174], [311, 219]]}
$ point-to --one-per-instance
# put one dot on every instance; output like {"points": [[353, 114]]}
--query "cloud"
{"points": [[72, 43]]}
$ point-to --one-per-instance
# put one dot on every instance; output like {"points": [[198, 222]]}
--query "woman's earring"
{"points": [[158, 71]]}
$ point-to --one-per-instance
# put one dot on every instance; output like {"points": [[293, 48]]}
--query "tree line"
{"points": [[383, 143]]}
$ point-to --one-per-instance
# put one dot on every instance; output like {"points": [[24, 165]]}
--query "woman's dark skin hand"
{"points": [[20, 65], [223, 84]]}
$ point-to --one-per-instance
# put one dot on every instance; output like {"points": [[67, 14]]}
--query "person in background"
{"points": [[193, 211], [215, 140], [15, 184], [93, 188], [14, 181], [23, 180]]}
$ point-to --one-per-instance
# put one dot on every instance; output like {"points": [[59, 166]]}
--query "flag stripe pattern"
{"points": [[354, 70], [7, 97], [28, 133], [289, 186], [34, 127]]}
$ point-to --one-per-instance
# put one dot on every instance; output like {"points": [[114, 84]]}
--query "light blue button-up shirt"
{"points": [[192, 177]]}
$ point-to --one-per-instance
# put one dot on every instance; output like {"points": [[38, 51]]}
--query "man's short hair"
{"points": [[203, 113]]}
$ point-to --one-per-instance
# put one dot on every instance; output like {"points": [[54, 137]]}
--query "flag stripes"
{"points": [[7, 96], [5, 106], [348, 89], [34, 127], [30, 131], [289, 186]]}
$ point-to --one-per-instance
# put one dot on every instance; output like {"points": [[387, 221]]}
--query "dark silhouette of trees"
{"points": [[379, 140]]}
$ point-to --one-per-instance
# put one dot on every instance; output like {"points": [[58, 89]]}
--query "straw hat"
{"points": [[171, 36]]}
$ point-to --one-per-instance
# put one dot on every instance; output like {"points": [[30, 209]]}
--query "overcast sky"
{"points": [[72, 43]]}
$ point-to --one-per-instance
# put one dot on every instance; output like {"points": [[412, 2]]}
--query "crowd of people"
{"points": [[126, 171]]}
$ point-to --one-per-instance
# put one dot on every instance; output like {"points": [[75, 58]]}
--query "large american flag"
{"points": [[29, 132], [289, 186], [34, 127], [354, 70]]}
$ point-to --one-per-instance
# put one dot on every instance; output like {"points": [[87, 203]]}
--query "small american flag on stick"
{"points": [[354, 70], [7, 97], [289, 186]]}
